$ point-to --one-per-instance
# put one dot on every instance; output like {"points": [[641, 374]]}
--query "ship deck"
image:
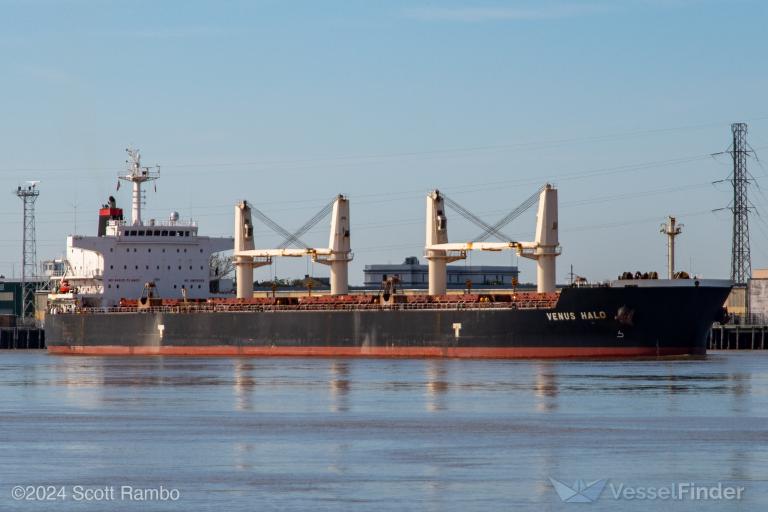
{"points": [[517, 301]]}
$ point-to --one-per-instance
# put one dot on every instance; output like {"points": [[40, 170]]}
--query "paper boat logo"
{"points": [[580, 491]]}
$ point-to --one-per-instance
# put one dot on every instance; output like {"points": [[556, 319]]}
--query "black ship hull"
{"points": [[644, 321]]}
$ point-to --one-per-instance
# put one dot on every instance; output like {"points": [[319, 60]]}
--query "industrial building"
{"points": [[414, 275], [11, 296]]}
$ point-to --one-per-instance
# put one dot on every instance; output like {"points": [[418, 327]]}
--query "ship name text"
{"points": [[576, 315]]}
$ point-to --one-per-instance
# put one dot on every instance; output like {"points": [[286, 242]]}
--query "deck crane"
{"points": [[337, 255], [544, 249]]}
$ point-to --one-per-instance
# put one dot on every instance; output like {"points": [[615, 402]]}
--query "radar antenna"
{"points": [[137, 175]]}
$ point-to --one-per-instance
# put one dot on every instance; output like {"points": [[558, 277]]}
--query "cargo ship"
{"points": [[637, 316]]}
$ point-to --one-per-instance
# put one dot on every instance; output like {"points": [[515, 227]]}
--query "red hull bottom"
{"points": [[416, 352]]}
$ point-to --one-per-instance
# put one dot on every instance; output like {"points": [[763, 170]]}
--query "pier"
{"points": [[21, 338], [738, 337]]}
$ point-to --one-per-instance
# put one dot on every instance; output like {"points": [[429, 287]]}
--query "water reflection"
{"points": [[82, 384], [242, 454], [347, 433], [339, 386], [545, 388], [243, 384], [436, 384]]}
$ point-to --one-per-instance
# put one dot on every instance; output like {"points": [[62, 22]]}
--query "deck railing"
{"points": [[245, 308]]}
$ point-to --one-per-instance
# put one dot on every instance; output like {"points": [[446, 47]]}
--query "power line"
{"points": [[530, 145]]}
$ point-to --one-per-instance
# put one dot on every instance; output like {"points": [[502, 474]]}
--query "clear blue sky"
{"points": [[286, 103]]}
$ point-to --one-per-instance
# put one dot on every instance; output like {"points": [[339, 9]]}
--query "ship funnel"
{"points": [[243, 242]]}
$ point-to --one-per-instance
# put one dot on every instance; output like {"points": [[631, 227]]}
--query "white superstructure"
{"points": [[127, 254]]}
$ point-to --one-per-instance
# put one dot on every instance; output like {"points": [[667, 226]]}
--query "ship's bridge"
{"points": [[153, 229]]}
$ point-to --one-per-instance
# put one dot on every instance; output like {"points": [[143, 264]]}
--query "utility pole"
{"points": [[28, 195], [671, 229], [741, 262]]}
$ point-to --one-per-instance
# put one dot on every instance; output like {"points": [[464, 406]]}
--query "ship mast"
{"points": [[671, 229], [137, 175]]}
